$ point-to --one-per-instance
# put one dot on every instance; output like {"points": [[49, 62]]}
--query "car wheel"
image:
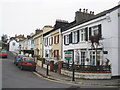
{"points": [[21, 67]]}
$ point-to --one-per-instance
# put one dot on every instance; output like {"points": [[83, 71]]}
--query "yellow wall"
{"points": [[56, 46], [38, 41], [38, 44]]}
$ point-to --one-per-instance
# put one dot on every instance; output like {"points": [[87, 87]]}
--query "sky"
{"points": [[25, 16]]}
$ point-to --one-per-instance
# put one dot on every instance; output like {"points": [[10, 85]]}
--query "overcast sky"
{"points": [[24, 16]]}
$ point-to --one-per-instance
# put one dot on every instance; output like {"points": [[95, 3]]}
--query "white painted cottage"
{"points": [[76, 39], [13, 45]]}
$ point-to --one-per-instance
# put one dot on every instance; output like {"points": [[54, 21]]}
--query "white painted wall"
{"points": [[46, 47], [13, 48], [110, 34], [119, 40]]}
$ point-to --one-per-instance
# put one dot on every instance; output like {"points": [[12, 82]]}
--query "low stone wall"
{"points": [[87, 75]]}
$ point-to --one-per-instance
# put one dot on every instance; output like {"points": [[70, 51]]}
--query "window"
{"points": [[32, 41], [56, 39], [46, 53], [46, 41], [75, 37], [13, 43], [50, 40], [83, 58], [95, 30], [56, 53], [93, 57], [66, 39], [82, 35], [77, 57], [50, 53]]}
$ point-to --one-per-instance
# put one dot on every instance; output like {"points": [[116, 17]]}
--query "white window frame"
{"points": [[81, 57], [67, 39], [95, 28], [82, 35], [93, 54], [50, 41], [57, 37], [74, 37], [45, 41]]}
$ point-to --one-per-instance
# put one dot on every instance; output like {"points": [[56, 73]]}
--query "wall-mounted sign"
{"points": [[68, 55], [105, 52]]}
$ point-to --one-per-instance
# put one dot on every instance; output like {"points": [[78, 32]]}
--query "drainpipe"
{"points": [[61, 45]]}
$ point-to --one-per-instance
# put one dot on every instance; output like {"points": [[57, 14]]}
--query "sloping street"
{"points": [[13, 77]]}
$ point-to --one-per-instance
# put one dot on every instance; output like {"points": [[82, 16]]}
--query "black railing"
{"points": [[87, 68]]}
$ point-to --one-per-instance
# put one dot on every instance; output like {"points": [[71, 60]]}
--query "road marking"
{"points": [[53, 80], [78, 83]]}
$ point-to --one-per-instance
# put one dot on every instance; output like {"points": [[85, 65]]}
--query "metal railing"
{"points": [[87, 68]]}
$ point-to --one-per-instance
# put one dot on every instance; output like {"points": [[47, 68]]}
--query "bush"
{"points": [[40, 58]]}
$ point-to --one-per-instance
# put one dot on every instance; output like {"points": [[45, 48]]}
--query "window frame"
{"points": [[74, 37], [82, 35], [67, 39]]}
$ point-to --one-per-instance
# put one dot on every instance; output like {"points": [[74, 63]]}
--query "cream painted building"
{"points": [[56, 45], [38, 40]]}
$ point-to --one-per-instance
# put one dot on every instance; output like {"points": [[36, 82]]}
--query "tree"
{"points": [[95, 43]]}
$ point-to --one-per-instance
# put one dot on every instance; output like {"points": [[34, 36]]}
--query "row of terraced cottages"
{"points": [[75, 38], [53, 43]]}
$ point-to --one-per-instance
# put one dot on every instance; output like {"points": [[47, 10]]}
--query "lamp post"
{"points": [[47, 73], [73, 70], [69, 56]]}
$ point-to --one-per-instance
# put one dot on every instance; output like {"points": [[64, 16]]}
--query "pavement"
{"points": [[55, 76]]}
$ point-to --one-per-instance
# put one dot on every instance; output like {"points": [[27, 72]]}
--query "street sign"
{"points": [[68, 55]]}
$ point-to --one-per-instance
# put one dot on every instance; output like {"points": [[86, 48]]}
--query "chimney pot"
{"points": [[90, 12], [84, 10], [93, 12], [80, 10]]}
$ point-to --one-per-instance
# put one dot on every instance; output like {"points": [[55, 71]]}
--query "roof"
{"points": [[73, 24], [59, 24]]}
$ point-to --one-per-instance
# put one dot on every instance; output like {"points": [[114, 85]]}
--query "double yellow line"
{"points": [[78, 83]]}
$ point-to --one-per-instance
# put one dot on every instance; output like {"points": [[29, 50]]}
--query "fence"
{"points": [[86, 68]]}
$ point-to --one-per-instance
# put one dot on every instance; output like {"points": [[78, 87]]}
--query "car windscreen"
{"points": [[29, 59], [4, 52]]}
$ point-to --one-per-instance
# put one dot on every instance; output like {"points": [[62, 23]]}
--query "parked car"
{"points": [[18, 58], [3, 53], [27, 63]]}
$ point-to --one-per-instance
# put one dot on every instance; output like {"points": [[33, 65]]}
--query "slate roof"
{"points": [[73, 24]]}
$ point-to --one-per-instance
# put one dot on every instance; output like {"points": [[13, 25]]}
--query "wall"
{"points": [[13, 48], [48, 47], [87, 75], [56, 46], [110, 38], [119, 40], [110, 42]]}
